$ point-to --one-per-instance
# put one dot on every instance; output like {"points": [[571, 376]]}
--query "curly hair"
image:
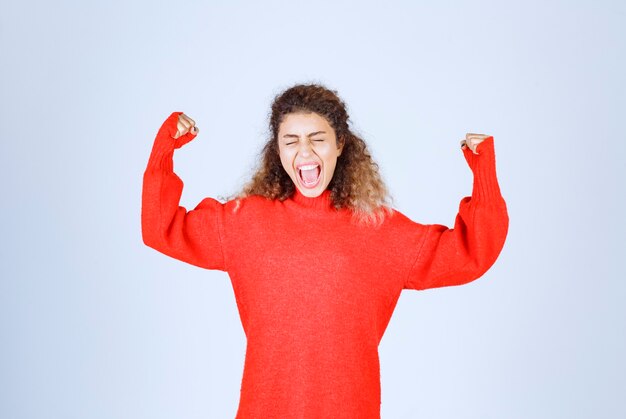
{"points": [[356, 183]]}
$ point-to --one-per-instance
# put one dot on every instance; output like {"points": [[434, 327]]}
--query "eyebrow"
{"points": [[297, 136]]}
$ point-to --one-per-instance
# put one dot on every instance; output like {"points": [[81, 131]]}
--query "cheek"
{"points": [[329, 166], [286, 159]]}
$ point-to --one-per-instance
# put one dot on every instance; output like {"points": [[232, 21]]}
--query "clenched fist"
{"points": [[184, 125], [472, 141]]}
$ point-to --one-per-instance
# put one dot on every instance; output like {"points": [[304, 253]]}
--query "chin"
{"points": [[311, 192]]}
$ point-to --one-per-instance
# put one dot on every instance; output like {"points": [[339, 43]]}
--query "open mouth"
{"points": [[310, 175]]}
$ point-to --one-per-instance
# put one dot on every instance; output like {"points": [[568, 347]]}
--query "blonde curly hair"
{"points": [[356, 183]]}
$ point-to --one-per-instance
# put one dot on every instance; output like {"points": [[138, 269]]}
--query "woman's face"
{"points": [[308, 151]]}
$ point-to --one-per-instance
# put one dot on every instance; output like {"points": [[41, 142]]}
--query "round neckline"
{"points": [[322, 201]]}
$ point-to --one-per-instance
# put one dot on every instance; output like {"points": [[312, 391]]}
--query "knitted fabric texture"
{"points": [[314, 290]]}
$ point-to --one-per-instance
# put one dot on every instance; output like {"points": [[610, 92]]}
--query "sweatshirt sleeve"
{"points": [[458, 255], [193, 236]]}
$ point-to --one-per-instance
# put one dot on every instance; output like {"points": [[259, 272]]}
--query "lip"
{"points": [[319, 178], [306, 163]]}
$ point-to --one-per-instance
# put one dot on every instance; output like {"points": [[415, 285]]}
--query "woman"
{"points": [[316, 257]]}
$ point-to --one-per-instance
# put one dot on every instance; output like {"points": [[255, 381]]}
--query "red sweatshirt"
{"points": [[315, 291]]}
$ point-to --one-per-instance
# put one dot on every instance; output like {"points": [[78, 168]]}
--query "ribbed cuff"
{"points": [[483, 165], [161, 157]]}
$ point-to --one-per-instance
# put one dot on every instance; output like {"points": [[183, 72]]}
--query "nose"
{"points": [[305, 148]]}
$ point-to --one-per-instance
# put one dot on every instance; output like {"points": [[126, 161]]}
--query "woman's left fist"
{"points": [[472, 141]]}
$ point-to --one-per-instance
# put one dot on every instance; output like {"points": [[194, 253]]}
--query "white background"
{"points": [[94, 324]]}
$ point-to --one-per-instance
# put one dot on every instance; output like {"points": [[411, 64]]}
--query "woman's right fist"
{"points": [[185, 125], [178, 127]]}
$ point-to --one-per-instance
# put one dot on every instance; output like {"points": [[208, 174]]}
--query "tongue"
{"points": [[311, 175]]}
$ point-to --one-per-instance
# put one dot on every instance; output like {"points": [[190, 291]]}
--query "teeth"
{"points": [[309, 167]]}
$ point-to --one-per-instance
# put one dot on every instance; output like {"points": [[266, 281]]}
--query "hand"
{"points": [[184, 125], [472, 141]]}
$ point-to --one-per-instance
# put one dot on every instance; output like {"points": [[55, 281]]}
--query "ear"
{"points": [[340, 144]]}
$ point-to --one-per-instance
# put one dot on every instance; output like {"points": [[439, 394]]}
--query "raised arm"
{"points": [[455, 256], [190, 236]]}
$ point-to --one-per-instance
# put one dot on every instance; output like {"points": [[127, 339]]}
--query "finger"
{"points": [[181, 129], [471, 135], [473, 144], [192, 126], [184, 126], [184, 115], [185, 120], [190, 123]]}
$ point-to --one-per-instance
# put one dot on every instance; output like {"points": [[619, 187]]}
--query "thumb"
{"points": [[184, 139]]}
